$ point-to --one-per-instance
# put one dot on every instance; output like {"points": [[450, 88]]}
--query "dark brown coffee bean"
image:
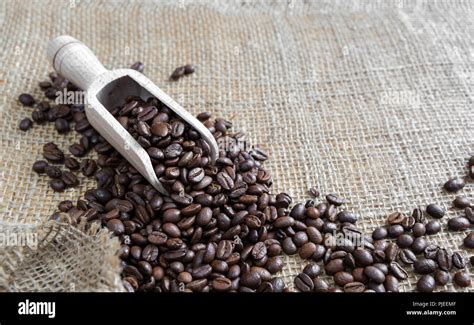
{"points": [[391, 283], [57, 185], [458, 223], [395, 218], [431, 251], [398, 271], [307, 250], [221, 284], [426, 283], [116, 226], [354, 287], [53, 171], [461, 202], [435, 211], [395, 230], [458, 260], [433, 227], [25, 124], [444, 260], [343, 278], [334, 199], [334, 266], [259, 250], [454, 184], [304, 283], [362, 257], [26, 100], [441, 277], [418, 229], [469, 214], [469, 240], [189, 68], [425, 266], [417, 214], [404, 240], [225, 181], [419, 245], [379, 233], [289, 247], [407, 256], [177, 73], [70, 179], [374, 274], [462, 279]]}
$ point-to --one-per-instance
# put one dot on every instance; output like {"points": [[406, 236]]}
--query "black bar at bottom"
{"points": [[416, 307]]}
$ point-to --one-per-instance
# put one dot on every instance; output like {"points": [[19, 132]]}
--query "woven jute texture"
{"points": [[370, 100]]}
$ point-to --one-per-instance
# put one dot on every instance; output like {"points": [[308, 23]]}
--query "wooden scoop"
{"points": [[109, 88]]}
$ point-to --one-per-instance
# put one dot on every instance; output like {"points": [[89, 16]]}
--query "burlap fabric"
{"points": [[371, 100]]}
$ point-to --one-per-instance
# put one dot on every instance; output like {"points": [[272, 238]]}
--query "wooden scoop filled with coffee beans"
{"points": [[106, 89]]}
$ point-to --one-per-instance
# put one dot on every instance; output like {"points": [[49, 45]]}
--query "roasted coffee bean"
{"points": [[417, 214], [57, 185], [406, 256], [418, 229], [334, 266], [454, 184], [177, 73], [70, 179], [469, 214], [363, 257], [379, 233], [444, 259], [61, 125], [458, 223], [398, 271], [435, 211], [419, 245], [395, 231], [469, 240], [461, 202], [71, 163], [289, 247], [462, 279], [53, 171], [40, 166], [395, 218], [354, 287], [426, 283], [25, 124], [433, 227], [374, 274], [116, 226], [343, 278], [431, 251], [26, 100], [304, 283], [424, 266], [441, 277], [458, 261], [404, 240], [334, 199], [189, 68], [391, 283], [65, 206]]}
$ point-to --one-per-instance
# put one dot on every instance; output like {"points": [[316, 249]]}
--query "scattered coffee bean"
{"points": [[462, 279], [26, 100], [25, 124], [454, 184], [426, 283], [435, 211]]}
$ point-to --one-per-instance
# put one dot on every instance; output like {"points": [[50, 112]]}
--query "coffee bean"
{"points": [[40, 166], [426, 283], [343, 278], [298, 211], [469, 214], [25, 124], [462, 279], [458, 261], [139, 66], [177, 73], [431, 251], [304, 283], [419, 245], [417, 214], [461, 202], [57, 185], [407, 256], [307, 250], [65, 206], [334, 266], [189, 68], [289, 247], [441, 277], [391, 283], [444, 260], [61, 125], [222, 284], [354, 287], [418, 229], [433, 227], [362, 257], [454, 184], [469, 240], [458, 223], [225, 181], [379, 233], [424, 266], [26, 100], [395, 231], [404, 240], [435, 211], [116, 226], [374, 274], [395, 218], [334, 199], [398, 271]]}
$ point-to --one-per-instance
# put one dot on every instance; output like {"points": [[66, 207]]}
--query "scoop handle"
{"points": [[74, 61]]}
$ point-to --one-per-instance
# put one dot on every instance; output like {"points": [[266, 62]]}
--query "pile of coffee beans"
{"points": [[221, 228]]}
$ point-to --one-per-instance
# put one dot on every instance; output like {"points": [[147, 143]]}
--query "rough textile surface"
{"points": [[371, 100]]}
